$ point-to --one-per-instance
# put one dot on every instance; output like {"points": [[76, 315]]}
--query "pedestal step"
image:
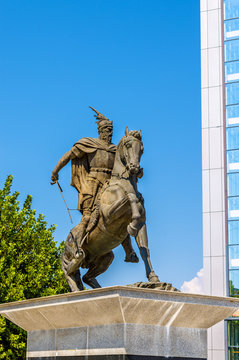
{"points": [[119, 323], [113, 357]]}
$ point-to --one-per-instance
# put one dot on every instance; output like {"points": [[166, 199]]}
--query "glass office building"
{"points": [[220, 164]]}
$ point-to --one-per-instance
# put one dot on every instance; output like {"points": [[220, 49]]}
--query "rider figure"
{"points": [[92, 163]]}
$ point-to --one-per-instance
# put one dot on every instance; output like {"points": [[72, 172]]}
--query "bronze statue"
{"points": [[111, 206]]}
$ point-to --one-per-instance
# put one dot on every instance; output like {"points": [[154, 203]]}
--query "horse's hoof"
{"points": [[132, 257], [91, 282], [153, 277], [132, 230]]}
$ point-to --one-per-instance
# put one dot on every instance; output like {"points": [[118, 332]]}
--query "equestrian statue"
{"points": [[106, 178]]}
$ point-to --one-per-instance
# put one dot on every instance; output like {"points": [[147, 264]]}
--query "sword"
{"points": [[61, 191]]}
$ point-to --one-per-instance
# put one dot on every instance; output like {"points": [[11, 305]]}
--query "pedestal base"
{"points": [[117, 341]]}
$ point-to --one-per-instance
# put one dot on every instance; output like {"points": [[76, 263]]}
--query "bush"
{"points": [[29, 263]]}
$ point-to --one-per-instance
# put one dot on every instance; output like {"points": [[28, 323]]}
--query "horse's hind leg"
{"points": [[73, 280], [98, 267], [70, 265], [142, 242]]}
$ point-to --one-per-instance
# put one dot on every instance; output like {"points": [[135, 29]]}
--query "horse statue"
{"points": [[119, 213]]}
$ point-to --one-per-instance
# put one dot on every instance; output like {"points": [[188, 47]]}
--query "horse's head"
{"points": [[131, 150]]}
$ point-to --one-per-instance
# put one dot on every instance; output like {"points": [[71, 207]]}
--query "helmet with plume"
{"points": [[102, 122]]}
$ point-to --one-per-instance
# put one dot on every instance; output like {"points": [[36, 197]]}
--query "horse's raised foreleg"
{"points": [[100, 265], [129, 251], [116, 209], [133, 226], [142, 242]]}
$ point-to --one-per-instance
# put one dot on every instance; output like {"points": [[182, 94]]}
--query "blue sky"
{"points": [[137, 62]]}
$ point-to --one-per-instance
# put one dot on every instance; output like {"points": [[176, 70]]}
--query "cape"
{"points": [[80, 167]]}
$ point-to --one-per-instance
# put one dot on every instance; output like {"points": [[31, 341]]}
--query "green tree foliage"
{"points": [[29, 263]]}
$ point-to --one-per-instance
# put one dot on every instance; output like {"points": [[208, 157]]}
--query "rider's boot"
{"points": [[77, 235], [79, 231], [130, 254]]}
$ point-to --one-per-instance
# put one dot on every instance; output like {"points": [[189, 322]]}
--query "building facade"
{"points": [[220, 164]]}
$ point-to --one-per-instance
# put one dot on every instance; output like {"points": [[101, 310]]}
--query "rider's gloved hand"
{"points": [[54, 178]]}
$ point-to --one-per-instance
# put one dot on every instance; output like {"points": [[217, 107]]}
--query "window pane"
{"points": [[232, 115], [234, 259], [233, 208], [233, 333], [233, 233], [233, 184], [233, 138], [231, 9], [233, 161], [231, 29], [232, 71], [233, 353], [232, 93], [233, 282], [232, 50]]}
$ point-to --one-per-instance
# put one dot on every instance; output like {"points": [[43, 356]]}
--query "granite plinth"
{"points": [[119, 323]]}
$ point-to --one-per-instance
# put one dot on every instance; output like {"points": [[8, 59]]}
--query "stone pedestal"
{"points": [[119, 323]]}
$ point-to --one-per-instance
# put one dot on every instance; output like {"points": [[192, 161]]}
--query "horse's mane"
{"points": [[136, 134]]}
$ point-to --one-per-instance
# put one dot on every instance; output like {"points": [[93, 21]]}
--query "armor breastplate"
{"points": [[101, 160], [101, 164]]}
